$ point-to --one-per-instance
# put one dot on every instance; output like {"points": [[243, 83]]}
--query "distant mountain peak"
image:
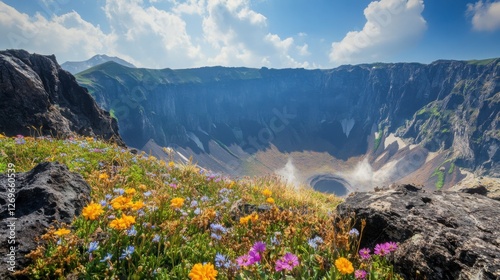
{"points": [[78, 66]]}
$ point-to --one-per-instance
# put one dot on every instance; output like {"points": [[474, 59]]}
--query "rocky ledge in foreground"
{"points": [[442, 235], [46, 194], [37, 94]]}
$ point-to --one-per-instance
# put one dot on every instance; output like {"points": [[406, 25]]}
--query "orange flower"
{"points": [[62, 231], [121, 202], [122, 223], [137, 205], [252, 217], [344, 266], [203, 272], [92, 211], [267, 192], [130, 191], [177, 202]]}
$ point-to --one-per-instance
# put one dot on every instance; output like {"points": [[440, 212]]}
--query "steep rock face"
{"points": [[47, 193], [446, 105], [441, 235], [36, 94]]}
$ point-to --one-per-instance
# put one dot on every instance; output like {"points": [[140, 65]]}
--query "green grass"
{"points": [[482, 62], [169, 238]]}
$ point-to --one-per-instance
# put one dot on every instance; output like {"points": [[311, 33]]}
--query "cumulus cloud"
{"points": [[390, 26], [68, 35], [183, 34], [485, 15]]}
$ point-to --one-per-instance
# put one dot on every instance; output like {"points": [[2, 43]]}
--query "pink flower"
{"points": [[381, 249], [364, 253], [391, 246], [287, 262], [360, 274]]}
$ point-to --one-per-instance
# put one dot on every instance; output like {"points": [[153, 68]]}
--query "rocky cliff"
{"points": [[406, 115], [37, 96]]}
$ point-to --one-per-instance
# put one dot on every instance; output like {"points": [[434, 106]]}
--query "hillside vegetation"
{"points": [[152, 219]]}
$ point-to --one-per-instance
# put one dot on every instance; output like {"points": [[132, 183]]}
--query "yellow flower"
{"points": [[270, 200], [252, 217], [137, 205], [203, 272], [92, 211], [130, 191], [267, 192], [344, 266], [89, 139], [171, 164], [122, 223], [121, 202], [62, 231], [2, 136], [143, 187], [177, 202], [103, 176]]}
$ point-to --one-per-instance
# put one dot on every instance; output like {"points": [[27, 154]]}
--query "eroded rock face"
{"points": [[442, 235], [47, 193], [37, 94]]}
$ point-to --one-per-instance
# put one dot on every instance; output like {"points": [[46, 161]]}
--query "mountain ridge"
{"points": [[346, 112], [78, 66]]}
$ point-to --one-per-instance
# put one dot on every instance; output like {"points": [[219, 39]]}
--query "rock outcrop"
{"points": [[46, 194], [38, 96], [441, 235]]}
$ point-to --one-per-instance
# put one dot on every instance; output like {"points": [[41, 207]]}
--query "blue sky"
{"points": [[254, 33]]}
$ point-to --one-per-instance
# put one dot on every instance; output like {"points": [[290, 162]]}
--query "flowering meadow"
{"points": [[154, 219]]}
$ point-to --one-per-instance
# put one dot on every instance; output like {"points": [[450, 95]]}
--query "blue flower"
{"points": [[108, 197], [215, 236], [156, 238], [204, 198], [314, 242], [218, 228], [222, 261], [275, 241], [127, 252], [103, 203], [147, 194], [107, 258], [197, 211], [354, 232], [194, 203], [119, 191], [132, 231], [94, 245]]}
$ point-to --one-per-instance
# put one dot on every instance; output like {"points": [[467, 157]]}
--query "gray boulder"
{"points": [[46, 194], [441, 235]]}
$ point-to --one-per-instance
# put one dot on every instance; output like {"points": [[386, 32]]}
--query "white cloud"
{"points": [[390, 26], [68, 35], [485, 15], [183, 34]]}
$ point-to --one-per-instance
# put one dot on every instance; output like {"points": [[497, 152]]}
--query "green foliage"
{"points": [[151, 219], [378, 139]]}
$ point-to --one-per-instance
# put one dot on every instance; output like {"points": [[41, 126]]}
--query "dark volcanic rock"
{"points": [[46, 194], [35, 92], [442, 235]]}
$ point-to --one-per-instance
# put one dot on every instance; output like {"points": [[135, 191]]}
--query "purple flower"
{"points": [[215, 236], [287, 262], [173, 185], [391, 246], [259, 246], [254, 257], [364, 253], [360, 274], [314, 242], [218, 228], [127, 252], [381, 249]]}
